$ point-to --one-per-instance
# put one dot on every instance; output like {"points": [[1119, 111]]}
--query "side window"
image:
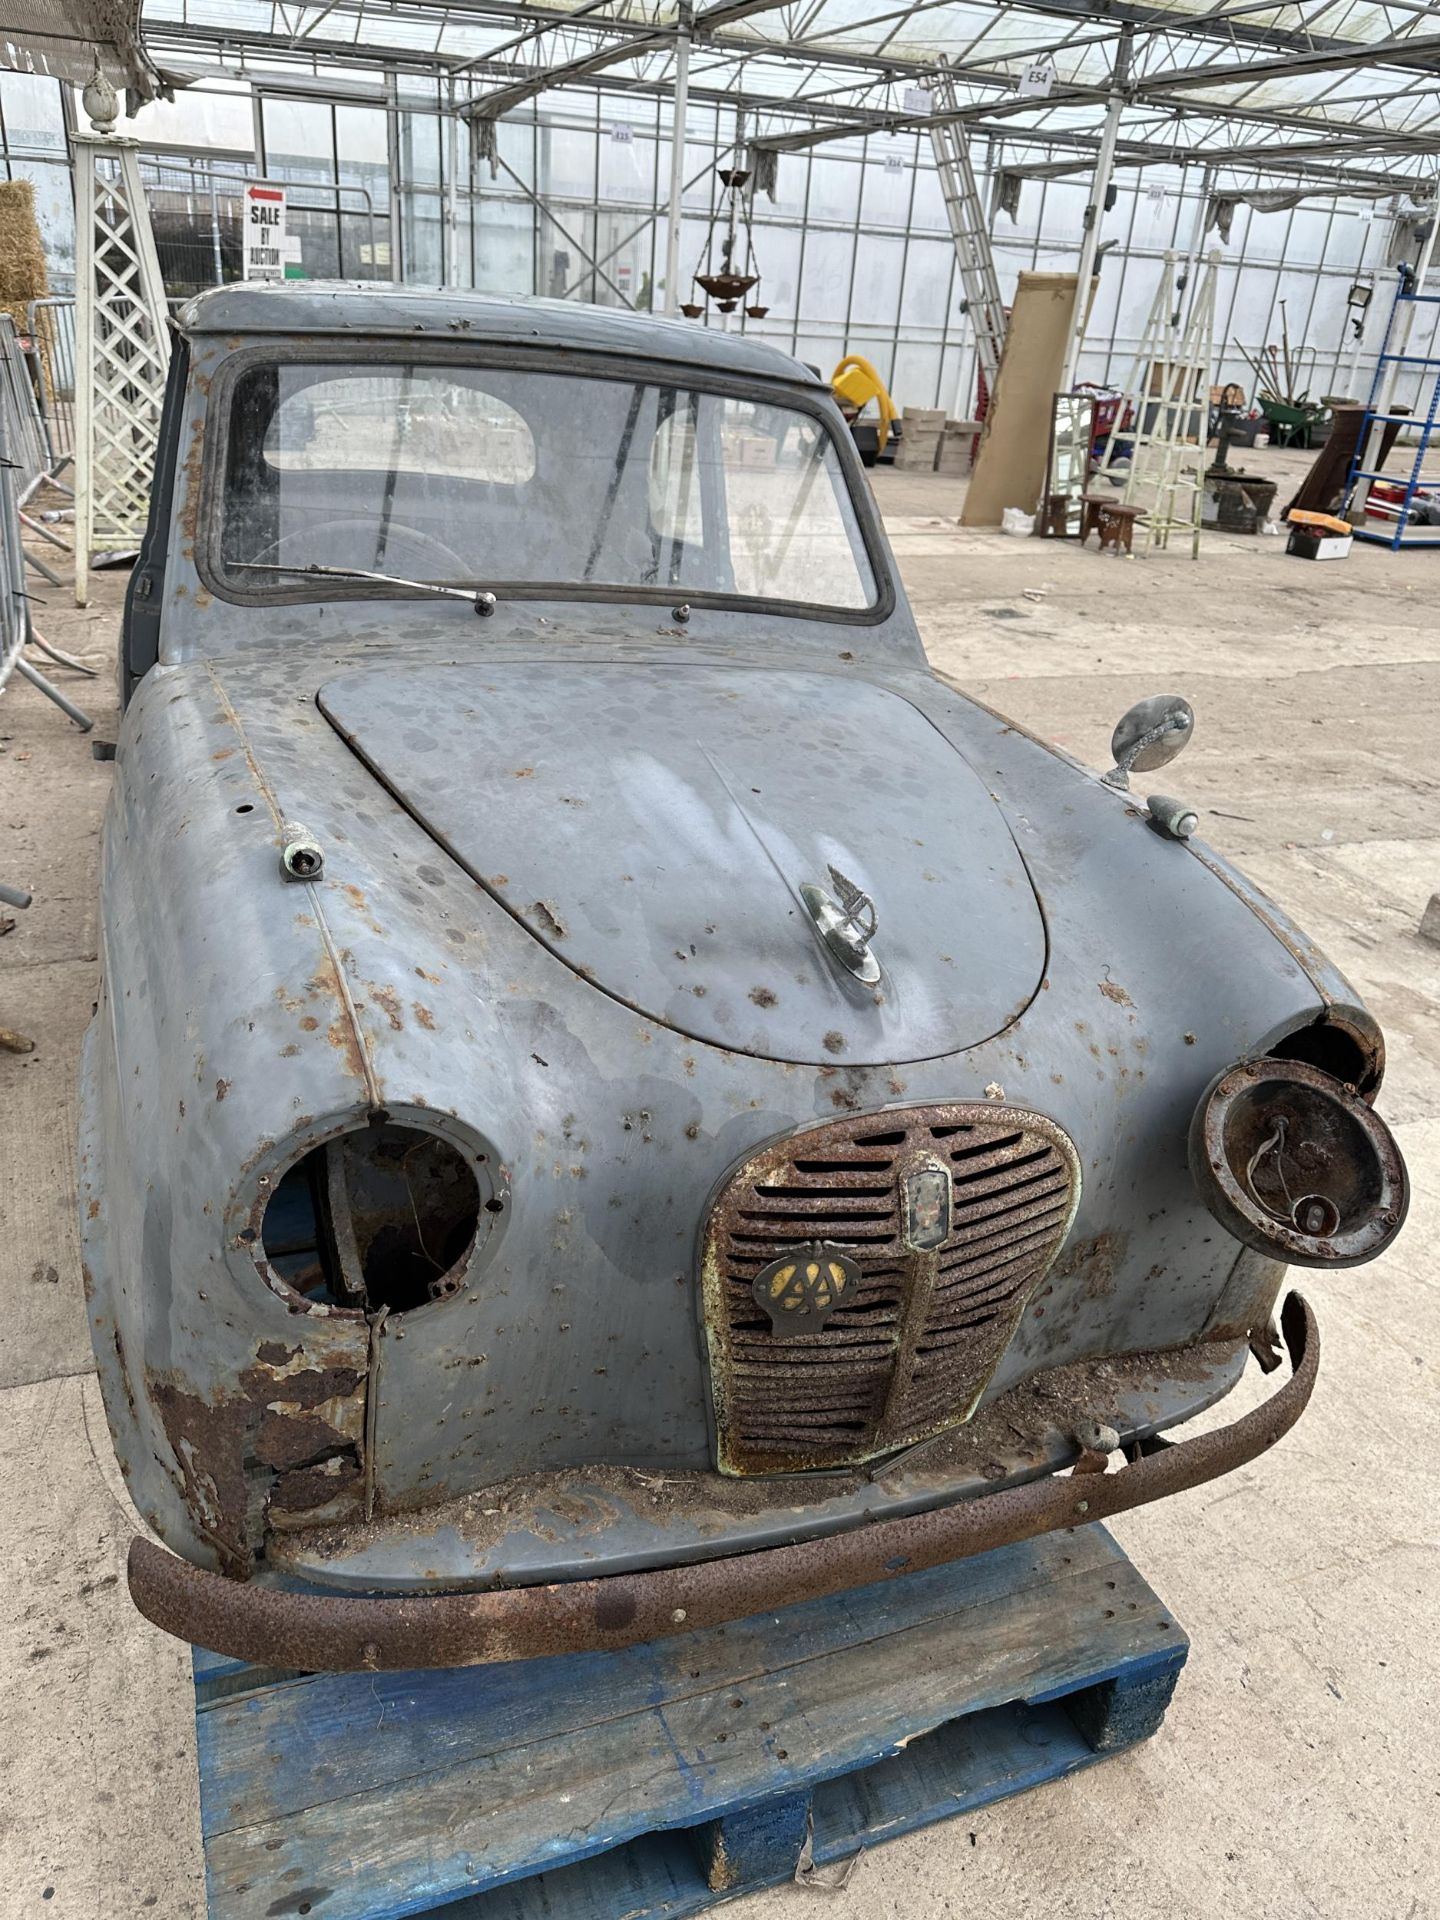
{"points": [[790, 535], [675, 506], [406, 421]]}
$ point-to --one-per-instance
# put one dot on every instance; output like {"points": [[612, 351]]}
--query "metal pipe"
{"points": [[452, 158], [679, 114], [52, 692], [1095, 212]]}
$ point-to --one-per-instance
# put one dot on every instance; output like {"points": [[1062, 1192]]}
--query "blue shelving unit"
{"points": [[1357, 486]]}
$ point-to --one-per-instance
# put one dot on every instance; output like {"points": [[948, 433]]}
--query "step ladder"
{"points": [[969, 226], [1169, 454], [1167, 399]]}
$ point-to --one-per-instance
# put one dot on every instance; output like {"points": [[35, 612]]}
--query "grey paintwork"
{"points": [[653, 826], [244, 1017]]}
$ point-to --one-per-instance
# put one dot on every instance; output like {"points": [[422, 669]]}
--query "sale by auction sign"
{"points": [[269, 252]]}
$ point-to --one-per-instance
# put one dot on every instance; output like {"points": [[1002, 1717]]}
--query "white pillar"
{"points": [[1095, 212], [677, 162], [122, 351]]}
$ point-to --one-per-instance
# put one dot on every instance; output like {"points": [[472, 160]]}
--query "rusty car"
{"points": [[619, 1097]]}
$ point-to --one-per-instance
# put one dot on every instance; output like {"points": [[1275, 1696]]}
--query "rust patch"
{"points": [[835, 1041], [287, 1441], [93, 1210], [222, 1087], [1097, 1259], [309, 1023], [190, 489], [343, 1033], [222, 753], [280, 1428], [318, 1485], [1112, 990], [388, 1001], [763, 996], [424, 1016]]}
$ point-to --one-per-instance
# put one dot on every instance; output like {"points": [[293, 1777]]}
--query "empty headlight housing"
{"points": [[1294, 1164], [383, 1213]]}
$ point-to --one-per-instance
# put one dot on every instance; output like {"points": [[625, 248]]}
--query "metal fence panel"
{"points": [[14, 611], [52, 329], [24, 434]]}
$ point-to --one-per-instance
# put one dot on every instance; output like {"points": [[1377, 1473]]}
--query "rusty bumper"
{"points": [[318, 1632]]}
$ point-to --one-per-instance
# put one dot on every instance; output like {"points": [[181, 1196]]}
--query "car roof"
{"points": [[357, 309]]}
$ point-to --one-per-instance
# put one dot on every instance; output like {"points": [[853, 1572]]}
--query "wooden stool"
{"points": [[1112, 520]]}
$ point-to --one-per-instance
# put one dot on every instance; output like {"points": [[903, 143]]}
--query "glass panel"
{"points": [[55, 213], [885, 192], [826, 276], [319, 243], [834, 189], [34, 119], [419, 150], [364, 245], [504, 246], [299, 140], [423, 239], [360, 142], [480, 475]]}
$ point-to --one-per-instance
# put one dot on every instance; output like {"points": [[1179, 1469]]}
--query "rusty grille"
{"points": [[908, 1352]]}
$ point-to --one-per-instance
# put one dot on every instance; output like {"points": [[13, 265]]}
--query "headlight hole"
{"points": [[383, 1216]]}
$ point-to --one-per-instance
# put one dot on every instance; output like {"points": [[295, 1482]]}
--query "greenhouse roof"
{"points": [[1319, 90]]}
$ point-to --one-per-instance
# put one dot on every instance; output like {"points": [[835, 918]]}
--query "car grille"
{"points": [[909, 1346]]}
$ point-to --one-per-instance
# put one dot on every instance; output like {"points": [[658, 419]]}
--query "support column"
{"points": [[677, 159], [1095, 212], [1185, 296]]}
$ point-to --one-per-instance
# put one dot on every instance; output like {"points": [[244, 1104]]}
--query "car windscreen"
{"points": [[532, 478]]}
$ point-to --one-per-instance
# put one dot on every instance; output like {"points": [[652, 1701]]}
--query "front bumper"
{"points": [[337, 1633]]}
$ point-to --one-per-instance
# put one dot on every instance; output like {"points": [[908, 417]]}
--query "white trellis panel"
{"points": [[122, 352]]}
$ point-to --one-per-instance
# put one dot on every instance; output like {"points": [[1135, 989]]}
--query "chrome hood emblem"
{"points": [[846, 923]]}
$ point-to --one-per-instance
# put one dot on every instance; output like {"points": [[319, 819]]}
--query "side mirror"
{"points": [[1149, 736]]}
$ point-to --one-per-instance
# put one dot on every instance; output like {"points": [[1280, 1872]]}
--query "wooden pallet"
{"points": [[665, 1778]]}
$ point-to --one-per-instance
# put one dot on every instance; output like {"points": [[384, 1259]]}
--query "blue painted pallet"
{"points": [[662, 1779]]}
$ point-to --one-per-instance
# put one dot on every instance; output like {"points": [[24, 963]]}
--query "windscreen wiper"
{"points": [[480, 598]]}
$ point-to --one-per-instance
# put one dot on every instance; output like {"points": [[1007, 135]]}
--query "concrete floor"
{"points": [[1295, 1774]]}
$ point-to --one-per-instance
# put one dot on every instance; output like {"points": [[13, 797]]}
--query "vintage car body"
{"points": [[514, 907]]}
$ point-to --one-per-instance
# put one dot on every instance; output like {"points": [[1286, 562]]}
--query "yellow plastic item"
{"points": [[856, 383]]}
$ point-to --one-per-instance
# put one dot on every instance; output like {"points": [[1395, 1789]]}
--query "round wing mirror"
{"points": [[1149, 736]]}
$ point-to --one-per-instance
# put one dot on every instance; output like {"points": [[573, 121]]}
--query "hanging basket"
{"points": [[690, 310], [727, 286]]}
